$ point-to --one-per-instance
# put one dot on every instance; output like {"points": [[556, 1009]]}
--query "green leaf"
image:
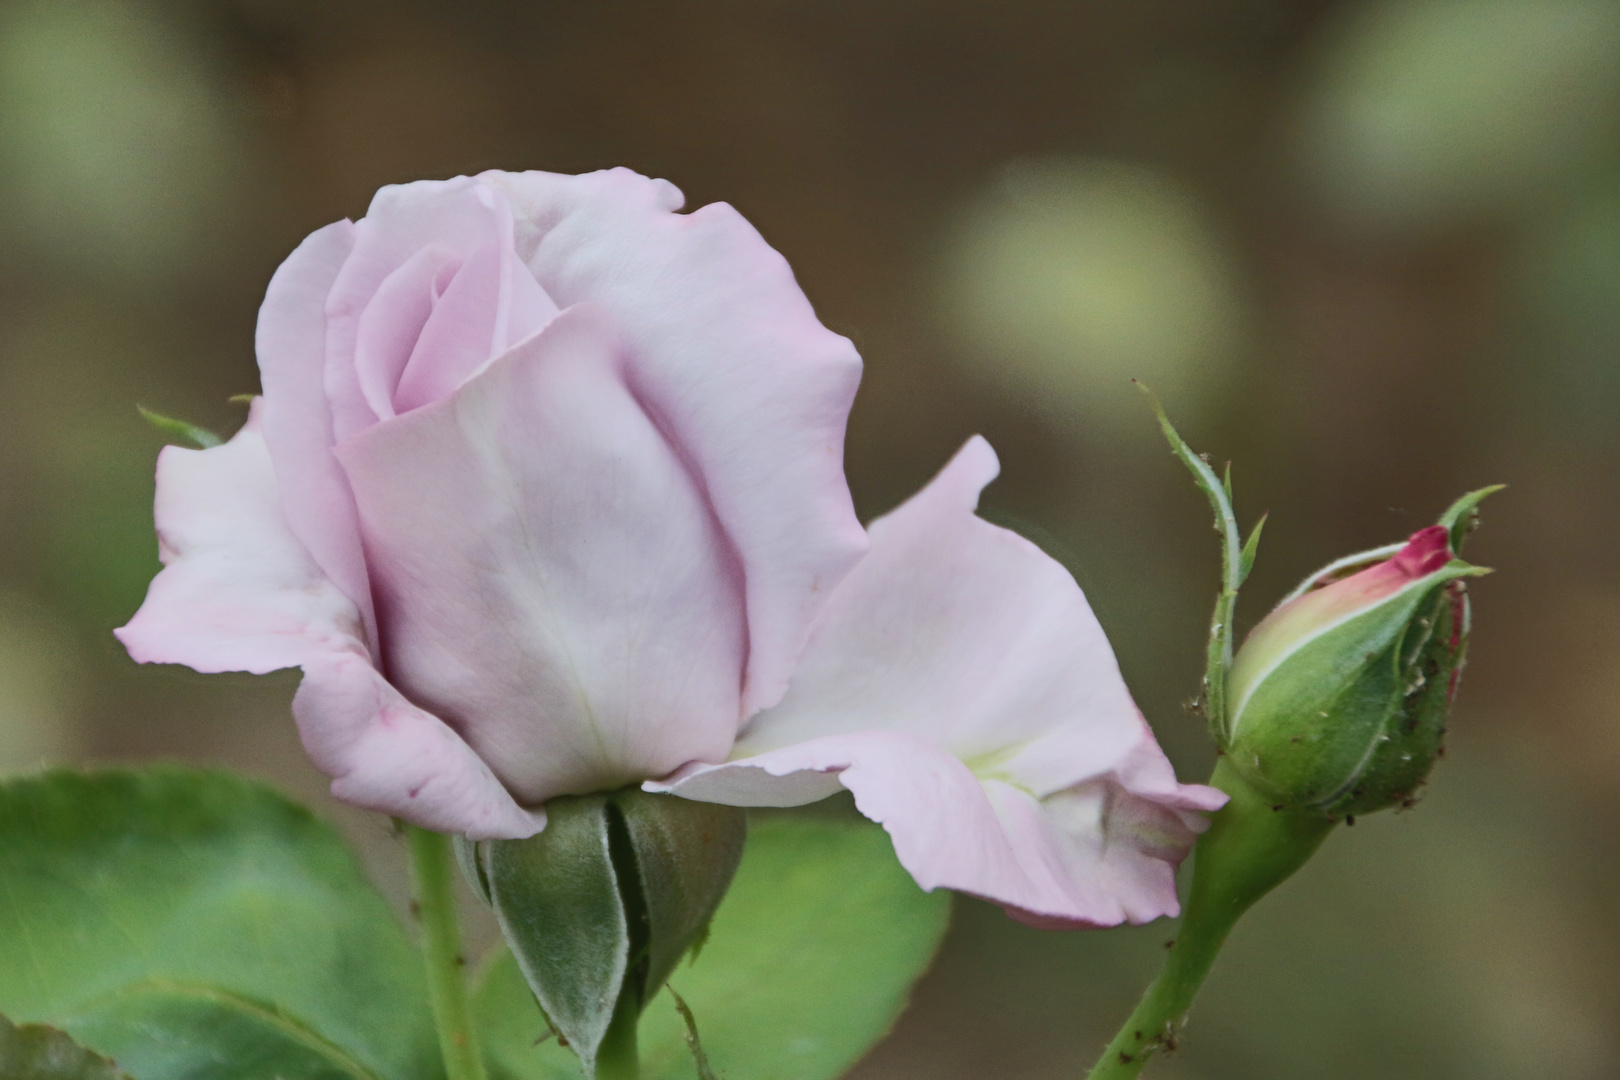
{"points": [[37, 1052], [811, 959], [174, 1031], [180, 429], [184, 919]]}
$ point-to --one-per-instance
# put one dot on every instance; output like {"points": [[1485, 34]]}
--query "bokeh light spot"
{"points": [[1425, 111], [1068, 278]]}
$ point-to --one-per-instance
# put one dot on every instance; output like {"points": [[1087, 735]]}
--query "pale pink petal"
{"points": [[725, 350], [968, 635], [461, 217], [291, 345], [549, 576], [965, 638], [456, 340], [392, 321], [1071, 860], [385, 754], [239, 592]]}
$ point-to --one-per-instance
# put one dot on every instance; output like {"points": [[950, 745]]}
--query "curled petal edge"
{"points": [[1097, 854]]}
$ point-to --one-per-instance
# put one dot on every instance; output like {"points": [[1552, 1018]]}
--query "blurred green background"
{"points": [[1368, 250]]}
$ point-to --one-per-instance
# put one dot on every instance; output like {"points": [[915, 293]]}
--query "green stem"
{"points": [[1249, 850], [434, 885], [618, 1058]]}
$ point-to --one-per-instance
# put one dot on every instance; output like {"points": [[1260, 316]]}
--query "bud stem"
{"points": [[433, 885], [1249, 850]]}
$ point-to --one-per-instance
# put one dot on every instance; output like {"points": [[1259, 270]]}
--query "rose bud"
{"points": [[1339, 697], [545, 495]]}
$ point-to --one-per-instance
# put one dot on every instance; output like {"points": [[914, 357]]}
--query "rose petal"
{"points": [[968, 635], [385, 754], [726, 351], [549, 577], [291, 345], [966, 639], [456, 340], [1074, 859], [464, 217], [392, 321], [239, 592]]}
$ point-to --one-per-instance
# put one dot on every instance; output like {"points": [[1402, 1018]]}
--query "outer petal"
{"points": [[387, 755], [1057, 862], [291, 344], [727, 352], [549, 576], [964, 643], [239, 592]]}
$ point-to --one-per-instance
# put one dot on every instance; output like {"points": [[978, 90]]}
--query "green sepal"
{"points": [[470, 860], [1462, 516], [599, 907], [38, 1052], [815, 950], [686, 855], [181, 429], [557, 900]]}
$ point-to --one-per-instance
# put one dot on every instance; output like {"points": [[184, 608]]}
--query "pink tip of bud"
{"points": [[1427, 551]]}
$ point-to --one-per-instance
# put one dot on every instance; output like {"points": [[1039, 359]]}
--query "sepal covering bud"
{"points": [[1339, 697], [600, 906]]}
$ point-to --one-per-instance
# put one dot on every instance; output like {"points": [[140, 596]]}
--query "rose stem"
{"points": [[1249, 849], [433, 884]]}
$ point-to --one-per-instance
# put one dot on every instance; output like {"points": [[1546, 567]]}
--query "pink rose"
{"points": [[545, 495]]}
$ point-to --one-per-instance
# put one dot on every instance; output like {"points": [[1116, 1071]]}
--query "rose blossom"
{"points": [[545, 495]]}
